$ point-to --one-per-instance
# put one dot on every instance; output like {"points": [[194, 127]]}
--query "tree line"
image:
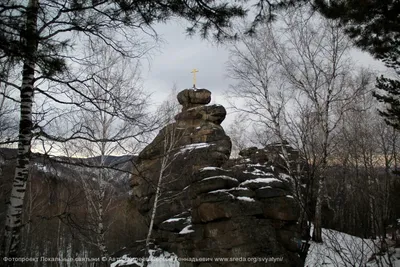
{"points": [[296, 83]]}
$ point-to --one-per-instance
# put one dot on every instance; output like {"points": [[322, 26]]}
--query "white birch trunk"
{"points": [[164, 164], [12, 234], [170, 141], [100, 220], [155, 204]]}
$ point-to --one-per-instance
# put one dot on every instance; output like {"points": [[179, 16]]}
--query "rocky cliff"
{"points": [[211, 207]]}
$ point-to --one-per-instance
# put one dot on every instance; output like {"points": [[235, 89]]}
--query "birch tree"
{"points": [[264, 96], [105, 132], [14, 212], [171, 138], [170, 143], [302, 64], [318, 70]]}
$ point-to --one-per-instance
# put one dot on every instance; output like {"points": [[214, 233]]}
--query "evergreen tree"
{"points": [[374, 26]]}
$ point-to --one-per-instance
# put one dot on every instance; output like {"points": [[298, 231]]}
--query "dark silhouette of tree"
{"points": [[374, 26]]}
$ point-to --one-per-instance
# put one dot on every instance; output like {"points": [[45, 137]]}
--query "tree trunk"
{"points": [[100, 223], [317, 233], [169, 143], [153, 212], [12, 234]]}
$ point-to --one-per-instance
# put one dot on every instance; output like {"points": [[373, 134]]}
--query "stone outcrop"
{"points": [[216, 208], [195, 140], [234, 217]]}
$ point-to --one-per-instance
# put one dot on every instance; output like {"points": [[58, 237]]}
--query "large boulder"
{"points": [[214, 113], [190, 98]]}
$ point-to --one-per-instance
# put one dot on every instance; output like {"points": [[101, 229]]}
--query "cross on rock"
{"points": [[194, 77]]}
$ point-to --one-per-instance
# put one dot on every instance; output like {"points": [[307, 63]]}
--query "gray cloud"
{"points": [[179, 55]]}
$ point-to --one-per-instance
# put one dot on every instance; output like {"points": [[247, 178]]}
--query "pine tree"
{"points": [[374, 26]]}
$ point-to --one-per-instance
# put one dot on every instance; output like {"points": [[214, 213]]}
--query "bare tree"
{"points": [[8, 104], [240, 134], [264, 95], [368, 148], [116, 124], [295, 79]]}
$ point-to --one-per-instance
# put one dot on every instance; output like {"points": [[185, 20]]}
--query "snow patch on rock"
{"points": [[173, 220], [209, 169], [247, 199], [191, 147], [260, 180], [186, 230], [220, 177]]}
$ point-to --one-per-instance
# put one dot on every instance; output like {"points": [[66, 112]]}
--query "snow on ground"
{"points": [[166, 259], [385, 261], [125, 260], [338, 250], [344, 250]]}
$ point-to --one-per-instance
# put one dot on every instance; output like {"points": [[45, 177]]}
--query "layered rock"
{"points": [[194, 141], [237, 217], [217, 209]]}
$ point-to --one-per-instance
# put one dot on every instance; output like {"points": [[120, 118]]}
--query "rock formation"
{"points": [[215, 208], [198, 141]]}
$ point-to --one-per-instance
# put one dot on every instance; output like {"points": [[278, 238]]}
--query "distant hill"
{"points": [[61, 167]]}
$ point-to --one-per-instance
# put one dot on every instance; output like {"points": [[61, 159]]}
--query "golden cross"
{"points": [[194, 77]]}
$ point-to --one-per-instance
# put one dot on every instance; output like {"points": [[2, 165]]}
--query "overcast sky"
{"points": [[176, 58], [179, 54]]}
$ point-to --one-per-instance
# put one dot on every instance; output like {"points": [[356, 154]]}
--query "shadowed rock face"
{"points": [[215, 208], [244, 210], [198, 141]]}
